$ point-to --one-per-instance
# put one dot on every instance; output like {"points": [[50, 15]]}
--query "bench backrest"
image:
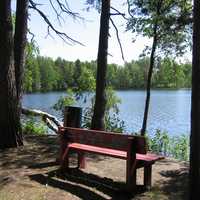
{"points": [[104, 139]]}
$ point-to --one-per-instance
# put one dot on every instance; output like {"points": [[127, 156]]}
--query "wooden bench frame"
{"points": [[126, 147]]}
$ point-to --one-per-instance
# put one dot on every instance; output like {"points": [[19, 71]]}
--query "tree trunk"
{"points": [[148, 86], [9, 122], [195, 109], [20, 42], [10, 127], [100, 99]]}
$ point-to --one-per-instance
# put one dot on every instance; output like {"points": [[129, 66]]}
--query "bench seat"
{"points": [[98, 150], [149, 157]]}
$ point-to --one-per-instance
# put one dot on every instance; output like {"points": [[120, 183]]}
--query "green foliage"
{"points": [[171, 75], [177, 146], [49, 74], [43, 74], [112, 101], [67, 100], [31, 126], [171, 20], [83, 78], [180, 147], [187, 74], [160, 142], [31, 72], [112, 121], [96, 4], [87, 117]]}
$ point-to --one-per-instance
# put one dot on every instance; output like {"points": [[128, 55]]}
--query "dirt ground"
{"points": [[31, 173]]}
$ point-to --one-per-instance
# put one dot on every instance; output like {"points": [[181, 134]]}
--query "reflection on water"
{"points": [[169, 109]]}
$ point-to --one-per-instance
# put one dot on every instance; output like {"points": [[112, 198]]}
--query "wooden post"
{"points": [[131, 167], [147, 176], [72, 118]]}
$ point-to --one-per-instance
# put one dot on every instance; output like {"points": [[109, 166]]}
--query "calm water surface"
{"points": [[169, 109]]}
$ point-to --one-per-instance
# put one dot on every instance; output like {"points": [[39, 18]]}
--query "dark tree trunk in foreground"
{"points": [[11, 65], [20, 42], [148, 86], [100, 99], [195, 110], [9, 123]]}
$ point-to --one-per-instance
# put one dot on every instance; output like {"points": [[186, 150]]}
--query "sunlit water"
{"points": [[169, 109]]}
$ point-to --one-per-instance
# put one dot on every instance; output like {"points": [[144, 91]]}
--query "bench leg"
{"points": [[131, 175], [63, 146], [147, 176], [81, 160], [64, 162]]}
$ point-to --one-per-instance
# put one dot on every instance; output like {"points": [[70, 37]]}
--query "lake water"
{"points": [[169, 109]]}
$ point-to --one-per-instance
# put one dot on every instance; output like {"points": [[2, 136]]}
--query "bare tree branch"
{"points": [[117, 34], [65, 8], [129, 8], [32, 35], [48, 122], [118, 13], [35, 112], [58, 15], [67, 39]]}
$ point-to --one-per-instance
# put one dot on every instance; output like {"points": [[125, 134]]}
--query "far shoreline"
{"points": [[121, 90]]}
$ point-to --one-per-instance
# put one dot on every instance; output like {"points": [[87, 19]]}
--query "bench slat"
{"points": [[103, 139], [149, 157], [99, 150]]}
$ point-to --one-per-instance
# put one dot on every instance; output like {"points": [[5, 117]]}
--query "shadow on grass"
{"points": [[43, 165], [176, 184], [36, 149], [40, 154], [85, 185], [77, 190]]}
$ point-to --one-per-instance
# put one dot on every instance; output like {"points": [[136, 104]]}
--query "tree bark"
{"points": [[9, 120], [100, 99], [20, 42], [148, 86], [195, 108], [10, 77]]}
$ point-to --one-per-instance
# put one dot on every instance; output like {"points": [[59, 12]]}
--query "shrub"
{"points": [[31, 126], [175, 146]]}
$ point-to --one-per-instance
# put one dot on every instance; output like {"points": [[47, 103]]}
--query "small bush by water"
{"points": [[174, 146], [33, 126], [161, 143]]}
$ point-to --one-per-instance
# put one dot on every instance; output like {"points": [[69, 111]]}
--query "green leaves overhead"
{"points": [[172, 18], [93, 4]]}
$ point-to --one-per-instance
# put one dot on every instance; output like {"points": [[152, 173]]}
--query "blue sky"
{"points": [[87, 32]]}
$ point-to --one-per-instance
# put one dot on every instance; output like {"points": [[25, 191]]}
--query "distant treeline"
{"points": [[43, 74]]}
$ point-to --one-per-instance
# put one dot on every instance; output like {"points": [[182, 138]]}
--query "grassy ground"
{"points": [[30, 173]]}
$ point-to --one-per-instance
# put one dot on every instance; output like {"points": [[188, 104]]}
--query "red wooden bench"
{"points": [[127, 147]]}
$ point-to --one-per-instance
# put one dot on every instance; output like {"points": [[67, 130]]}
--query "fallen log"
{"points": [[51, 121]]}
